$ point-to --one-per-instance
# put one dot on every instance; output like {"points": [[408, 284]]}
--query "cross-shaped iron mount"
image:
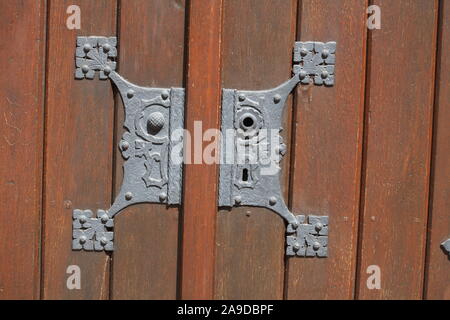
{"points": [[152, 146]]}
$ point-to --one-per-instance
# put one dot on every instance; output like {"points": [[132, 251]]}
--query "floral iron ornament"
{"points": [[152, 117]]}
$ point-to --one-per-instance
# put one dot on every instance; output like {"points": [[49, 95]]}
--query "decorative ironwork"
{"points": [[153, 125], [309, 239], [252, 147]]}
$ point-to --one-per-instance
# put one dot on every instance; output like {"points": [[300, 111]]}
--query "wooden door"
{"points": [[371, 152]]}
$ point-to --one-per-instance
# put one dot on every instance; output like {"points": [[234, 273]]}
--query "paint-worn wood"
{"points": [[438, 264], [200, 181], [22, 48], [257, 54], [327, 144], [79, 135], [399, 108], [151, 54]]}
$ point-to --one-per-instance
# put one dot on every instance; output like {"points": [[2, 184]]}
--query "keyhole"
{"points": [[248, 122], [245, 175]]}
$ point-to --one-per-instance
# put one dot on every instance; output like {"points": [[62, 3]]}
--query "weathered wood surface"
{"points": [[257, 54], [203, 89], [22, 48], [145, 260], [438, 263], [327, 149], [79, 151], [399, 109]]}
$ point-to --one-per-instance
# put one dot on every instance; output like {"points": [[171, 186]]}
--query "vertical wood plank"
{"points": [[200, 187], [328, 143], [258, 40], [438, 264], [22, 48], [151, 54], [78, 160], [398, 146]]}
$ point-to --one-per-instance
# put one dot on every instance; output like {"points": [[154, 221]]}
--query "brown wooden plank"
{"points": [[398, 145], [21, 109], [327, 156], [200, 180], [257, 54], [79, 135], [151, 54], [438, 264]]}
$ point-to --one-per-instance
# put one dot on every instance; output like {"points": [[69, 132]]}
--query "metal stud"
{"points": [[242, 98], [105, 218], [319, 226], [128, 196], [277, 98], [130, 94], [107, 47], [83, 239], [124, 145], [304, 52], [324, 74], [103, 241], [165, 95], [107, 70], [325, 53], [83, 219], [316, 246], [272, 201], [162, 196], [238, 200], [87, 47], [85, 68]]}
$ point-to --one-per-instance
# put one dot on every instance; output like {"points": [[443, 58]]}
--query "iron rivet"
{"points": [[325, 54], [83, 219], [107, 70], [103, 241], [238, 200], [128, 196], [106, 47], [165, 95], [87, 47], [130, 94], [273, 201], [277, 98], [303, 75], [304, 52], [294, 225], [85, 68], [316, 246], [124, 145], [83, 239], [319, 226], [162, 196], [241, 97], [324, 74], [296, 246], [105, 218]]}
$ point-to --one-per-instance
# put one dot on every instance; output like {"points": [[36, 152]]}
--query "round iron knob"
{"points": [[156, 122]]}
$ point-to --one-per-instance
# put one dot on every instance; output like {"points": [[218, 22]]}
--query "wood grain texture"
{"points": [[258, 40], [151, 54], [200, 180], [398, 145], [79, 135], [438, 264], [22, 48], [327, 149]]}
